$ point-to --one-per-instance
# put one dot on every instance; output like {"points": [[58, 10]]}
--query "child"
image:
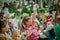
{"points": [[4, 29], [16, 34], [41, 32], [31, 33]]}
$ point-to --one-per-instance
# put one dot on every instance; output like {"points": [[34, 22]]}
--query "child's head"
{"points": [[16, 34], [13, 15], [45, 25], [42, 21], [3, 24], [36, 25], [27, 21]]}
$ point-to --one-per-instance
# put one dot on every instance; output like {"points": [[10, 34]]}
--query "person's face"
{"points": [[29, 22], [16, 34], [14, 16], [42, 22], [7, 19], [5, 29], [44, 25], [36, 26]]}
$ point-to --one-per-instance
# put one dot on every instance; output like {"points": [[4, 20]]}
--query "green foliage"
{"points": [[53, 7], [12, 9], [31, 10], [24, 10], [42, 10]]}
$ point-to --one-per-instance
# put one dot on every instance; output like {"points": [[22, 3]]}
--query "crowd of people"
{"points": [[30, 27]]}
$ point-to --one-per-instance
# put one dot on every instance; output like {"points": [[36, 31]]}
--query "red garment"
{"points": [[47, 18]]}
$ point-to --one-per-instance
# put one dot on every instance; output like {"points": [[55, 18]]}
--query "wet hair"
{"points": [[2, 21], [41, 20], [25, 19], [39, 12], [45, 23]]}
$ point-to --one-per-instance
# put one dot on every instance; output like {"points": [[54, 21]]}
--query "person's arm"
{"points": [[58, 9], [56, 16]]}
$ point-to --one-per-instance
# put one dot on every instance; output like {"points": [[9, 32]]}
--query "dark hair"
{"points": [[45, 23], [25, 19], [14, 14], [1, 13], [50, 15], [41, 19], [2, 21], [39, 12]]}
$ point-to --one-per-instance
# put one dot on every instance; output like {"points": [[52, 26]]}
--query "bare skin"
{"points": [[57, 11]]}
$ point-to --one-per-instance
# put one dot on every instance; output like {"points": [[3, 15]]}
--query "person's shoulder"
{"points": [[8, 37], [2, 36], [5, 37]]}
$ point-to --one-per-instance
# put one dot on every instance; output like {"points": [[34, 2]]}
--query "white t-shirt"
{"points": [[49, 25], [14, 22], [42, 35]]}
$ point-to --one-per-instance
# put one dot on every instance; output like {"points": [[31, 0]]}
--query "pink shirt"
{"points": [[34, 34]]}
